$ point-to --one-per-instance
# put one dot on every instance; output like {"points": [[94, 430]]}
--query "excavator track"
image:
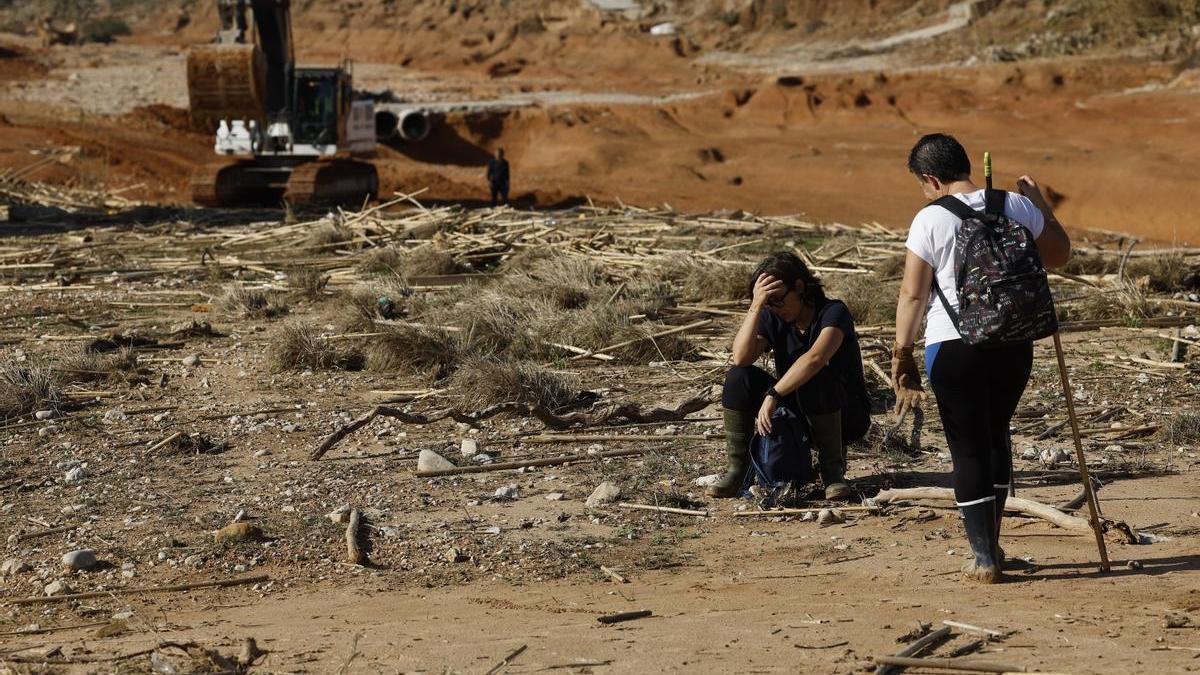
{"points": [[342, 182]]}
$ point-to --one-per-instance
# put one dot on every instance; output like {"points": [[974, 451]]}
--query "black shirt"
{"points": [[788, 345], [497, 171]]}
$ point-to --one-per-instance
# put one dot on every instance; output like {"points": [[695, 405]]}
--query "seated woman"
{"points": [[819, 368]]}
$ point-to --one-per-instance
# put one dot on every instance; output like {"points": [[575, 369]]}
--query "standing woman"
{"points": [[977, 387]]}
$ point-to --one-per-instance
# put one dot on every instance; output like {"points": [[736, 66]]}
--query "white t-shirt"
{"points": [[932, 239]]}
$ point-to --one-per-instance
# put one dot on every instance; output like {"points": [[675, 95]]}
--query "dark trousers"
{"points": [[977, 391], [499, 194], [746, 387]]}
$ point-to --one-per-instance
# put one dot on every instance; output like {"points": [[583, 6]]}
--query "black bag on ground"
{"points": [[782, 459]]}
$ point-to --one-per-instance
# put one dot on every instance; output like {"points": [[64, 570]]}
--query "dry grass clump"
{"points": [[429, 260], [491, 322], [1126, 303], [383, 298], [252, 303], [417, 350], [120, 367], [891, 267], [26, 386], [708, 281], [487, 382], [328, 235], [1181, 428], [307, 282], [300, 347], [1168, 273], [872, 301]]}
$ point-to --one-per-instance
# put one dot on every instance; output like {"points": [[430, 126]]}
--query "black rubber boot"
{"points": [[1001, 498], [739, 430], [980, 521], [826, 430]]}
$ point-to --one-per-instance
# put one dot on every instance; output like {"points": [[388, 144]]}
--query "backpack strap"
{"points": [[962, 212], [994, 201]]}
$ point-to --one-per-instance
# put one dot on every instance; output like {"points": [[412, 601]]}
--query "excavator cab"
{"points": [[317, 109]]}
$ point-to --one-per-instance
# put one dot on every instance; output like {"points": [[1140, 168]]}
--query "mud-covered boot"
{"points": [[826, 430], [739, 430], [979, 518]]}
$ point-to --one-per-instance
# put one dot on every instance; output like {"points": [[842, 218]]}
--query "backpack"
{"points": [[782, 459], [1003, 293]]}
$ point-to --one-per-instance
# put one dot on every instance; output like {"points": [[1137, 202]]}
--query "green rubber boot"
{"points": [[826, 432], [739, 430]]}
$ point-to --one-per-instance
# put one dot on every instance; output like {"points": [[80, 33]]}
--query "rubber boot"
{"points": [[980, 521], [1001, 497], [826, 430], [739, 430]]}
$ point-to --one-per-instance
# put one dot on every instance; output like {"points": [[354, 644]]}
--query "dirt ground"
{"points": [[802, 115]]}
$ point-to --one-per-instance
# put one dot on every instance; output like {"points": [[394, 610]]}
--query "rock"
{"points": [[483, 458], [454, 555], [1134, 565], [59, 587], [1053, 456], [708, 481], [605, 493], [829, 517], [44, 414], [82, 559], [238, 532], [75, 475], [1114, 448], [429, 460], [262, 453], [1176, 621], [510, 491], [13, 566], [1030, 453], [114, 416], [340, 515], [192, 361], [555, 497], [470, 447]]}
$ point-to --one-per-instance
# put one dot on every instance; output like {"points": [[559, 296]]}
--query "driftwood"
{"points": [[630, 412], [1020, 505], [799, 512], [664, 509], [354, 552], [625, 616], [951, 664], [548, 461], [921, 644], [225, 583]]}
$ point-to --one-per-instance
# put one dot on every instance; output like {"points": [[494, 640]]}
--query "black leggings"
{"points": [[746, 387], [977, 391]]}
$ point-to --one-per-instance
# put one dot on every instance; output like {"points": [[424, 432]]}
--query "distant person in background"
{"points": [[497, 176]]}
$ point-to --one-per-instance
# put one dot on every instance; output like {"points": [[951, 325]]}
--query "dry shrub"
{"points": [[1084, 262], [26, 386], [1126, 303], [835, 245], [252, 303], [382, 260], [491, 321], [415, 350], [328, 235], [119, 367], [1181, 428], [429, 260], [891, 267], [487, 382], [307, 282], [382, 298], [872, 301], [708, 281], [1167, 273], [299, 347]]}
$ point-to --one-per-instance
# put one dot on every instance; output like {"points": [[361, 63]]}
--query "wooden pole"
{"points": [[950, 664], [1093, 509], [225, 583], [915, 648]]}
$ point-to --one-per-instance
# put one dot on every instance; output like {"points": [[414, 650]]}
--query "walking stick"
{"points": [[1093, 508]]}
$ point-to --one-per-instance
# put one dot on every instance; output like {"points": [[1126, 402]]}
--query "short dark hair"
{"points": [[789, 268], [940, 156]]}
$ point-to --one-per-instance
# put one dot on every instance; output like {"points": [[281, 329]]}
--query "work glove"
{"points": [[906, 380]]}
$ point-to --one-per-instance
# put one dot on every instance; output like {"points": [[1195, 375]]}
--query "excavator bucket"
{"points": [[226, 81]]}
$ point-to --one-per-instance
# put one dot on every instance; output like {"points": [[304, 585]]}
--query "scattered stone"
{"points": [[429, 460], [510, 491], [483, 458], [829, 517], [262, 453], [192, 361], [340, 515], [237, 532], [13, 566], [239, 516], [59, 587], [605, 493], [114, 416], [1053, 456], [1176, 621], [555, 497], [1134, 565], [82, 559], [453, 555], [1114, 448], [75, 475], [123, 615], [45, 414], [708, 481], [470, 447], [1029, 453]]}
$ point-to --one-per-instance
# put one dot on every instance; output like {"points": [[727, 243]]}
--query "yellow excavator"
{"points": [[285, 133]]}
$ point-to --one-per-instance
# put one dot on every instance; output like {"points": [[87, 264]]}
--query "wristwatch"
{"points": [[775, 395]]}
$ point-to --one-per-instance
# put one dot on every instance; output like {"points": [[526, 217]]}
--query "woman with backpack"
{"points": [[818, 374], [987, 248]]}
